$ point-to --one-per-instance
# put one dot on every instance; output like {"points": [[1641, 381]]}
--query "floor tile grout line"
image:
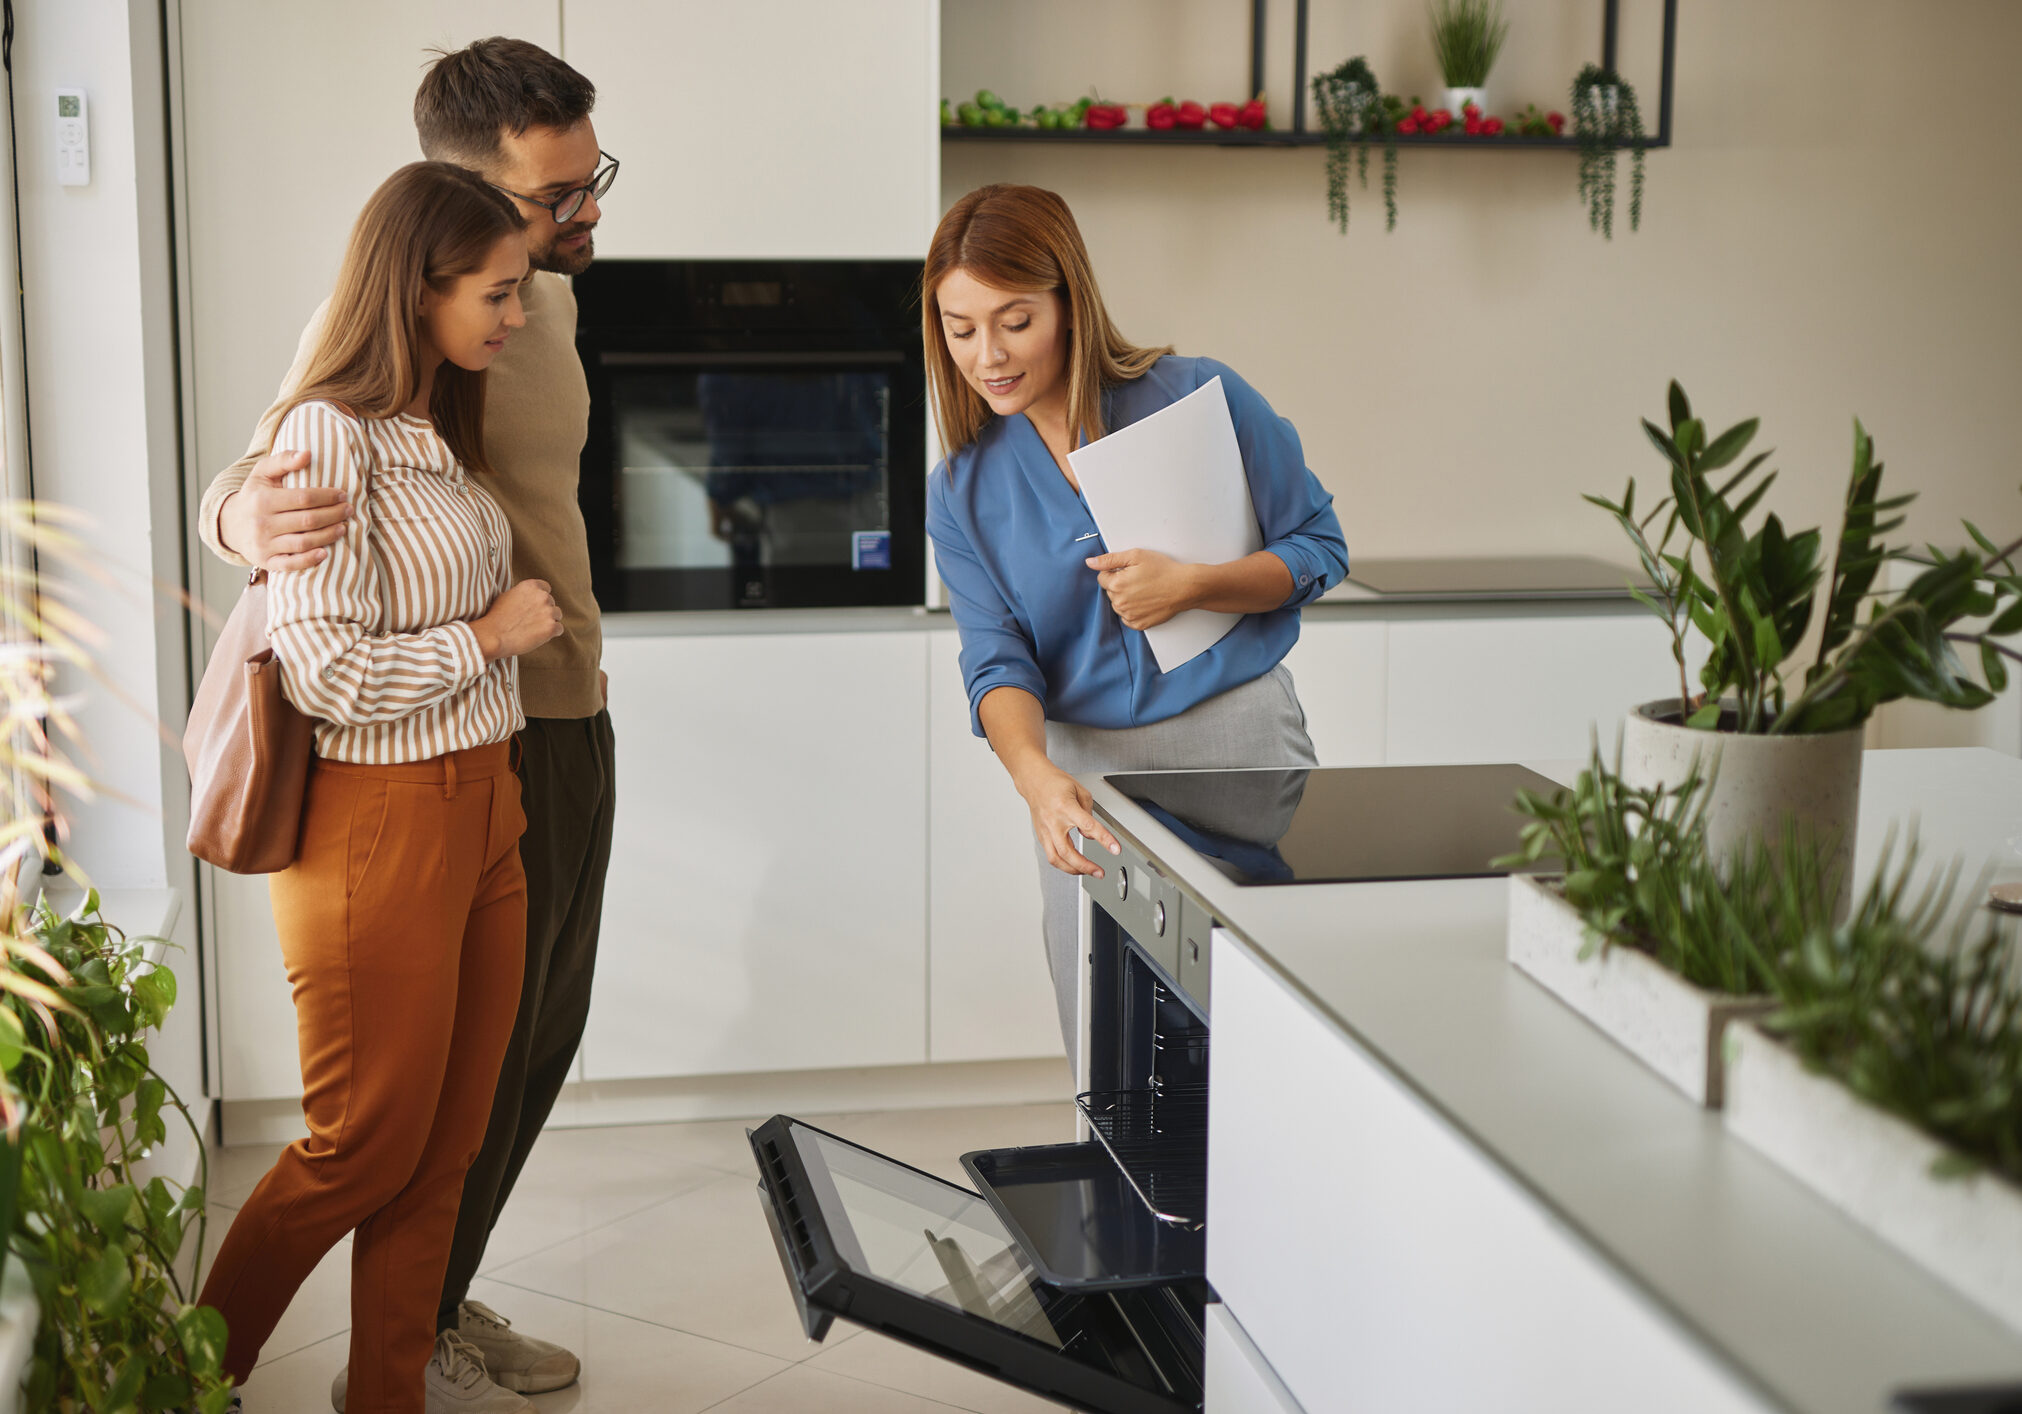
{"points": [[912, 1394], [586, 1232], [266, 1359], [656, 1325]]}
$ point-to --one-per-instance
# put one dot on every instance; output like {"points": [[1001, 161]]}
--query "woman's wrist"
{"points": [[1029, 771], [488, 645]]}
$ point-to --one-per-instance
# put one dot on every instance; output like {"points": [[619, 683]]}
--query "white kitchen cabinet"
{"points": [[766, 907], [1340, 668], [1519, 688], [1383, 1262], [989, 995], [767, 128]]}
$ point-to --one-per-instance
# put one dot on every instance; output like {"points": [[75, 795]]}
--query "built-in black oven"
{"points": [[1077, 1271], [757, 433]]}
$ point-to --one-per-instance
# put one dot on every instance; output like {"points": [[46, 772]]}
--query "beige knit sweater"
{"points": [[537, 415]]}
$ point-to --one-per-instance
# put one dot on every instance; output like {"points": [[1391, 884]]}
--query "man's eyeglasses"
{"points": [[565, 206]]}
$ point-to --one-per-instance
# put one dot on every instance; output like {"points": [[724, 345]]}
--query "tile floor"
{"points": [[644, 1250]]}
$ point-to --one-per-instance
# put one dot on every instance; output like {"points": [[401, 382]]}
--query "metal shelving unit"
{"points": [[1299, 135]]}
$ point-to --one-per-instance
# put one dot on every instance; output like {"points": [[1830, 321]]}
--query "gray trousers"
{"points": [[1258, 724]]}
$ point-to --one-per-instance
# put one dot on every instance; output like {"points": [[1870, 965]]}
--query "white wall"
{"points": [[100, 362], [1827, 238]]}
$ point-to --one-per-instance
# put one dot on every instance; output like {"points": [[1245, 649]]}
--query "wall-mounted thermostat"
{"points": [[73, 139]]}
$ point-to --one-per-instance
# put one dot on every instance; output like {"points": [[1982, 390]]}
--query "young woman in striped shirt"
{"points": [[403, 917]]}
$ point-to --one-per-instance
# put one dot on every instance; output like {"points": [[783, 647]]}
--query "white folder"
{"points": [[1174, 483]]}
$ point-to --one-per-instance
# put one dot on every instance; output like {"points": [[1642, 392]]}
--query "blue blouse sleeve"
{"points": [[995, 650], [1294, 510]]}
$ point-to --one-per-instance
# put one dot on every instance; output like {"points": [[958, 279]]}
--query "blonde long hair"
{"points": [[1024, 239], [428, 224]]}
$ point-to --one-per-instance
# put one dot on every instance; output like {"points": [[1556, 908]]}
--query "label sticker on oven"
{"points": [[871, 550]]}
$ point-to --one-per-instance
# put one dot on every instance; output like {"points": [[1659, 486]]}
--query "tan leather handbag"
{"points": [[248, 749]]}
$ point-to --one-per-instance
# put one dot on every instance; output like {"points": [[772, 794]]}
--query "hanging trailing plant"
{"points": [[1605, 116], [1352, 110]]}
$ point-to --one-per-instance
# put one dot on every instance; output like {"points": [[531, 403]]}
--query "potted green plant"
{"points": [[1889, 1079], [1605, 116], [99, 1245], [1788, 734], [1352, 110], [1467, 37]]}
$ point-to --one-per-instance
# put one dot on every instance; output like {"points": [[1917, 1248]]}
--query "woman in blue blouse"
{"points": [[1024, 366]]}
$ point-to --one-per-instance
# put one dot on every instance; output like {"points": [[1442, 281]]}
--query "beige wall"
{"points": [[1821, 242]]}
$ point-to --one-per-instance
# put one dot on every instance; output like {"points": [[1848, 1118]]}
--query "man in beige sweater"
{"points": [[520, 117]]}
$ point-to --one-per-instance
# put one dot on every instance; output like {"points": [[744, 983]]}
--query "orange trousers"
{"points": [[403, 925]]}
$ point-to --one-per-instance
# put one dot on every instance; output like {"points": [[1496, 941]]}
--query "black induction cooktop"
{"points": [[1341, 824]]}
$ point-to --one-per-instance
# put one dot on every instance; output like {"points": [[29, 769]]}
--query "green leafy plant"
{"points": [[1353, 108], [1752, 593], [81, 1102], [1637, 869], [1467, 36], [1918, 1011], [118, 1330], [1605, 116]]}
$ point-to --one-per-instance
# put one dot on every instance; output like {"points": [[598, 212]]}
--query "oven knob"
{"points": [[1122, 882], [1158, 920]]}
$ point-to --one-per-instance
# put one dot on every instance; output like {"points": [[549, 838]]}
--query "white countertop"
{"points": [[1820, 1315]]}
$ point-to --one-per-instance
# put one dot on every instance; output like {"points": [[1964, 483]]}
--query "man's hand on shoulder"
{"points": [[277, 527]]}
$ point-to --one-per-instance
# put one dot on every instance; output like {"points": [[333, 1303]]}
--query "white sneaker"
{"points": [[455, 1380], [515, 1361]]}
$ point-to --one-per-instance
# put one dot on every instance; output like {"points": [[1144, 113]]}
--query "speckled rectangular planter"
{"points": [[1664, 1021], [1877, 1169]]}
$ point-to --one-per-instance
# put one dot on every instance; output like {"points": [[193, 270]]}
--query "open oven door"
{"points": [[899, 1251]]}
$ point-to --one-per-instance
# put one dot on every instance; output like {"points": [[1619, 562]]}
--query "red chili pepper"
{"points": [[1162, 116], [1104, 116], [1191, 115], [1251, 115], [1223, 115]]}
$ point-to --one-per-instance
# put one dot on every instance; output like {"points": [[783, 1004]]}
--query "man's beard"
{"points": [[567, 262]]}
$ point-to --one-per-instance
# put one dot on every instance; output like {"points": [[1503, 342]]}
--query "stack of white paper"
{"points": [[1174, 483]]}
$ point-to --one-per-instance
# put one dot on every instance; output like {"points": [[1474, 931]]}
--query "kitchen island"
{"points": [[1432, 1186]]}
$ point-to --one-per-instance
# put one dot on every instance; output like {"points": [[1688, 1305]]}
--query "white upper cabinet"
{"points": [[765, 128]]}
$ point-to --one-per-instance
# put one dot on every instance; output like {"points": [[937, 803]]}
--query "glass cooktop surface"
{"points": [[1342, 824]]}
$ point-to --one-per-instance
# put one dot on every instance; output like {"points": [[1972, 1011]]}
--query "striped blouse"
{"points": [[375, 642]]}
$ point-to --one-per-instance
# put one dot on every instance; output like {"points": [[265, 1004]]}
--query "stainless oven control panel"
{"points": [[1166, 926]]}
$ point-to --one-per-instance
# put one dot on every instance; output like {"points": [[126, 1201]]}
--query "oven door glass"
{"points": [[899, 1251], [747, 473]]}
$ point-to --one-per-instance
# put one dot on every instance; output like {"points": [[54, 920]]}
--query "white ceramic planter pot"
{"points": [[1761, 781], [1877, 1169], [1664, 1021], [1457, 99]]}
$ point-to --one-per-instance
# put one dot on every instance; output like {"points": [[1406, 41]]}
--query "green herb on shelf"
{"points": [[1467, 36], [1605, 116], [1353, 108], [1752, 594]]}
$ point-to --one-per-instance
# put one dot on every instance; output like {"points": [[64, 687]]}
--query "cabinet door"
{"points": [[1520, 689], [989, 995], [1339, 668], [765, 128], [766, 908]]}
